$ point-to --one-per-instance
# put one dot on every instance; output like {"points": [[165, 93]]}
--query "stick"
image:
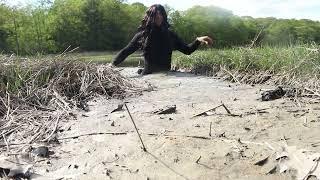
{"points": [[103, 89], [72, 137], [60, 98], [8, 109], [13, 144], [233, 77], [188, 136], [40, 132], [314, 167], [257, 111], [305, 122], [210, 129], [198, 160], [64, 51], [5, 141], [313, 92], [34, 105], [229, 112], [144, 148], [54, 130], [204, 112], [256, 38], [93, 134]]}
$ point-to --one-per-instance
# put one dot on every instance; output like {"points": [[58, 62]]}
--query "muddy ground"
{"points": [[179, 146]]}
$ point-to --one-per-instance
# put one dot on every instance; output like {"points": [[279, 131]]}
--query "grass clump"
{"points": [[282, 65]]}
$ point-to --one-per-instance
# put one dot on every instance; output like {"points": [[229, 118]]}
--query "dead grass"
{"points": [[38, 94], [295, 67]]}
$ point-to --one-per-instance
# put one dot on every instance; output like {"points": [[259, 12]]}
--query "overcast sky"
{"points": [[298, 9]]}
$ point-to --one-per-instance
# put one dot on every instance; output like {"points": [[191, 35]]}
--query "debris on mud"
{"points": [[119, 108], [206, 113], [167, 110], [288, 160], [273, 94], [198, 160], [9, 169], [262, 162], [41, 151]]}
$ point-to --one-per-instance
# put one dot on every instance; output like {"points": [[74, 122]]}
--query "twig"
{"points": [[197, 161], [257, 111], [188, 136], [13, 144], [54, 130], [305, 122], [71, 137], [228, 111], [199, 137], [93, 134], [221, 105], [314, 167], [210, 129], [204, 112], [72, 50], [5, 141], [103, 89], [256, 38], [57, 95], [313, 92], [8, 110], [34, 105], [64, 51], [42, 129], [233, 77], [144, 148]]}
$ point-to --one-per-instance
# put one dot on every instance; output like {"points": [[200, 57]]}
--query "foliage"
{"points": [[100, 25]]}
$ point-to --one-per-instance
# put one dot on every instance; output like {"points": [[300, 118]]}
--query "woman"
{"points": [[157, 42]]}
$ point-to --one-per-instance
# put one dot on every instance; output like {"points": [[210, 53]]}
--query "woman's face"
{"points": [[159, 19]]}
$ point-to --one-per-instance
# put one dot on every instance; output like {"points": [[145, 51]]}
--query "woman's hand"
{"points": [[205, 40]]}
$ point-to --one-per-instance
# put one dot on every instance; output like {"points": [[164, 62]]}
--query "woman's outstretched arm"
{"points": [[188, 49], [126, 51]]}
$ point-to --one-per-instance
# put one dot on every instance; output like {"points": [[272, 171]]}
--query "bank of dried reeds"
{"points": [[37, 94]]}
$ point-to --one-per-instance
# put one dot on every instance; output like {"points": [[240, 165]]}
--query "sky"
{"points": [[297, 9]]}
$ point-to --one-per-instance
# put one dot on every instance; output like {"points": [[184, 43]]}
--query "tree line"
{"points": [[101, 25]]}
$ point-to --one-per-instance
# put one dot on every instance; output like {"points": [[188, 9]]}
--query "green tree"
{"points": [[4, 31], [66, 22], [98, 25]]}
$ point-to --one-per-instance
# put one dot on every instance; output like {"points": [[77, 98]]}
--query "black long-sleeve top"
{"points": [[157, 55]]}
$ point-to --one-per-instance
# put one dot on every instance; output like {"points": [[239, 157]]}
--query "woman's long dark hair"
{"points": [[148, 23]]}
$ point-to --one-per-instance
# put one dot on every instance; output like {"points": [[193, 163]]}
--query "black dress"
{"points": [[157, 53]]}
